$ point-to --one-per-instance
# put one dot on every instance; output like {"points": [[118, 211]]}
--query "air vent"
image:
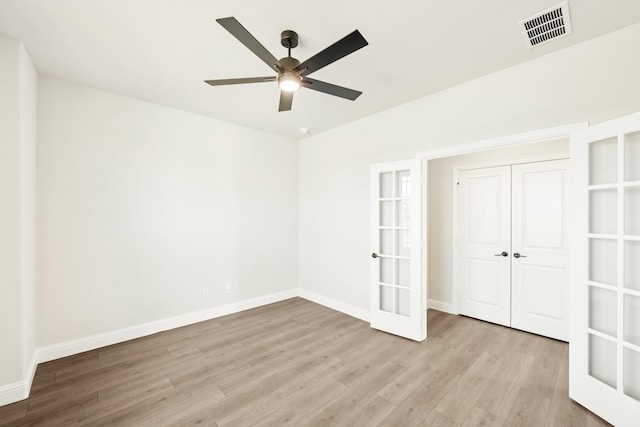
{"points": [[546, 26]]}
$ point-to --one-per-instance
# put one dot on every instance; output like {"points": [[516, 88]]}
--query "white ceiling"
{"points": [[161, 50]]}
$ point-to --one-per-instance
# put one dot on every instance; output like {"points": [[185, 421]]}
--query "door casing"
{"points": [[474, 147]]}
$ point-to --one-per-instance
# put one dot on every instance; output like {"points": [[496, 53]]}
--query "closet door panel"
{"points": [[483, 235], [540, 282]]}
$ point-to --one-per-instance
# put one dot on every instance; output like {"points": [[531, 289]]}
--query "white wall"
{"points": [[10, 217], [140, 207], [28, 136], [17, 214], [440, 212], [596, 81]]}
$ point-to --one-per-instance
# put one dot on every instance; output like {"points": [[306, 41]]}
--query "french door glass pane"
{"points": [[402, 243], [386, 270], [632, 211], [603, 360], [386, 214], [402, 302], [402, 272], [632, 265], [603, 162], [632, 319], [386, 185], [603, 261], [603, 211], [631, 373], [402, 213], [386, 242], [386, 298], [603, 310], [403, 184], [632, 157]]}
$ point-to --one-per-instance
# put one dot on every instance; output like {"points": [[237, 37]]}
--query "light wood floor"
{"points": [[298, 363]]}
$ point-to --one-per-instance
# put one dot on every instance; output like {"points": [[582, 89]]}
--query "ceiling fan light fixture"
{"points": [[289, 82], [291, 73]]}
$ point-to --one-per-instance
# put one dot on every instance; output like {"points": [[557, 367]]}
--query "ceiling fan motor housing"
{"points": [[289, 63]]}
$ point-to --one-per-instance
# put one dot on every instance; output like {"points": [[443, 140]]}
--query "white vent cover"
{"points": [[546, 26]]}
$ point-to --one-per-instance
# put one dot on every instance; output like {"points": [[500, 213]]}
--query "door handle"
{"points": [[517, 255], [374, 255], [503, 253]]}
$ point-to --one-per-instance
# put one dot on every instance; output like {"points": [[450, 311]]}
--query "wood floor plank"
{"points": [[480, 417], [236, 403], [69, 401], [504, 385], [419, 404], [13, 412], [162, 408], [371, 414], [462, 398], [53, 415], [529, 409], [302, 405], [299, 386], [401, 387], [356, 396], [467, 341], [298, 363], [436, 419], [545, 369]]}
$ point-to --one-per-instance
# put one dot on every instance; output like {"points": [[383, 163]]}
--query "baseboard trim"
{"points": [[446, 307], [69, 348], [334, 304], [13, 392], [17, 391], [31, 372]]}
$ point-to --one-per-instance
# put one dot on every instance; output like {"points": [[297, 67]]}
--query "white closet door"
{"points": [[539, 263], [484, 225], [398, 294], [604, 355]]}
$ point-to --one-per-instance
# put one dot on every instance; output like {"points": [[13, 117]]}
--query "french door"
{"points": [[398, 294], [513, 246], [604, 351]]}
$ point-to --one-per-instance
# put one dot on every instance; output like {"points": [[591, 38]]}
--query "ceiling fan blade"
{"points": [[339, 49], [331, 89], [236, 29], [286, 99], [222, 82]]}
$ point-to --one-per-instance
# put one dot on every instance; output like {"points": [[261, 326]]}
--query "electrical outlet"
{"points": [[227, 288], [205, 292]]}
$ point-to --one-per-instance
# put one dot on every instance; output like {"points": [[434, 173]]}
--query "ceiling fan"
{"points": [[291, 73]]}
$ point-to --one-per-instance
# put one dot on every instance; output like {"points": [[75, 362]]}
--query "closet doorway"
{"points": [[511, 254]]}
